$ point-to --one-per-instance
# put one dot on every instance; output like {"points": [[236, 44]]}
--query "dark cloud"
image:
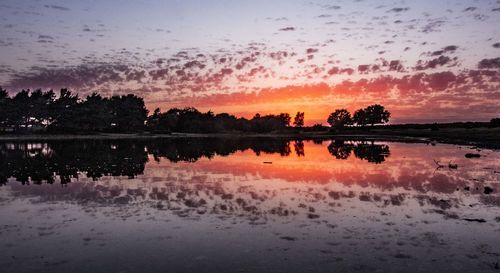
{"points": [[450, 48], [434, 63], [398, 9], [162, 30], [383, 66], [82, 77], [433, 25], [279, 19], [470, 9], [45, 37], [311, 50], [363, 69], [287, 29], [57, 7], [489, 63], [4, 43], [496, 45], [396, 65], [332, 7], [444, 50], [411, 86], [334, 71]]}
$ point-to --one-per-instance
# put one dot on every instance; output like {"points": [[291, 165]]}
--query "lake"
{"points": [[248, 205]]}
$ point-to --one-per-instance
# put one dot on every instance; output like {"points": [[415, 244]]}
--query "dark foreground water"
{"points": [[248, 205]]}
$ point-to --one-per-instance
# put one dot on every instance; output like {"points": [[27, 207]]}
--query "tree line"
{"points": [[371, 115], [43, 111], [190, 120]]}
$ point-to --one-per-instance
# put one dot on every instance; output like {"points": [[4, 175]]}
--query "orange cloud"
{"points": [[440, 96]]}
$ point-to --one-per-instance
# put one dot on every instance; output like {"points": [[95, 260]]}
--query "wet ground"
{"points": [[271, 205]]}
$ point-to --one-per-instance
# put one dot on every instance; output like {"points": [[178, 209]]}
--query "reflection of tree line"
{"points": [[42, 162], [37, 163]]}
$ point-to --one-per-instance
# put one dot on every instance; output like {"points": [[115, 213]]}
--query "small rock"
{"points": [[487, 190], [470, 155], [474, 220], [122, 200], [312, 216], [288, 238], [402, 256]]}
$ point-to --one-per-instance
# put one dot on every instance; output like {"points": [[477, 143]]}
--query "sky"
{"points": [[425, 60]]}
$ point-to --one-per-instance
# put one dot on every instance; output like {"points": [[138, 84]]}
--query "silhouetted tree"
{"points": [[20, 111], [376, 114], [65, 112], [298, 121], [153, 121], [4, 109], [3, 94], [269, 123], [360, 117], [285, 119], [128, 113], [495, 122], [94, 114], [339, 118]]}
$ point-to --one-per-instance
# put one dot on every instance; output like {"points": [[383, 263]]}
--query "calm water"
{"points": [[248, 205]]}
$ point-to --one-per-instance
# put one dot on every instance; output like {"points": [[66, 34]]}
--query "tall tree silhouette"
{"points": [[4, 108], [65, 112], [339, 118], [298, 121], [376, 114], [95, 114], [128, 113]]}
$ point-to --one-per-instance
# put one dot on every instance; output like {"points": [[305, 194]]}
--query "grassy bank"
{"points": [[481, 137]]}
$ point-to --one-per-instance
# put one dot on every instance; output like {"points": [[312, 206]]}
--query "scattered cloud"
{"points": [[57, 7]]}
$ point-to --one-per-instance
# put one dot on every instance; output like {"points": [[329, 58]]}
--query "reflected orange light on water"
{"points": [[406, 167]]}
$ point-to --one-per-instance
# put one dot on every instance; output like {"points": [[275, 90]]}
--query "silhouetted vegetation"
{"points": [[339, 119], [298, 121], [495, 122], [190, 120], [371, 115], [45, 112], [38, 111]]}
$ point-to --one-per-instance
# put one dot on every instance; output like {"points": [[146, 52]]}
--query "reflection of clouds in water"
{"points": [[306, 204], [227, 176]]}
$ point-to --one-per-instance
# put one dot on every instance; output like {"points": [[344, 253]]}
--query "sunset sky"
{"points": [[424, 60]]}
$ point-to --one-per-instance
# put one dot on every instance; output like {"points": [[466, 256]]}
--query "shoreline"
{"points": [[391, 136]]}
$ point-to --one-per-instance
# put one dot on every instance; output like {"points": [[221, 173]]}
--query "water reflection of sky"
{"points": [[281, 210]]}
